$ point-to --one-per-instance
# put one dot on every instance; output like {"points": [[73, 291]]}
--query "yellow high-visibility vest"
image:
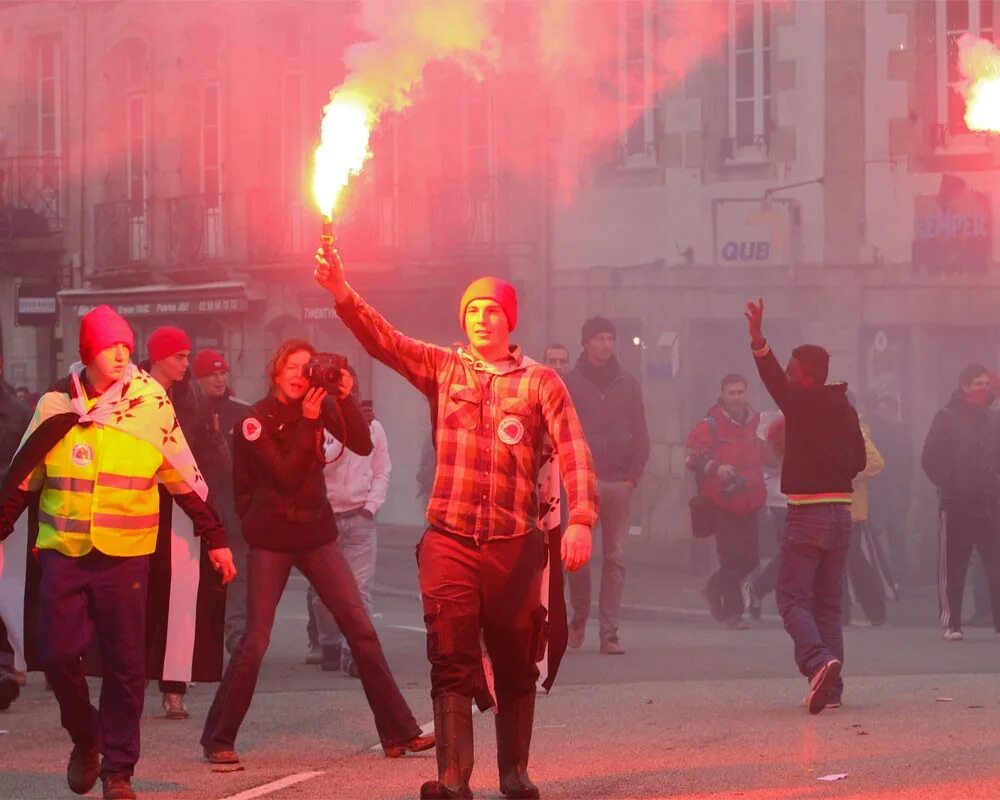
{"points": [[99, 490]]}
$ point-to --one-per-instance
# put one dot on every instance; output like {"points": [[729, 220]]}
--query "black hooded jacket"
{"points": [[824, 447], [961, 455], [278, 471]]}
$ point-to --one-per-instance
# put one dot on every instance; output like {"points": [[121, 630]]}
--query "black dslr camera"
{"points": [[323, 371]]}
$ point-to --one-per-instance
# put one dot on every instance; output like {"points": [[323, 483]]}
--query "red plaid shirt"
{"points": [[489, 426]]}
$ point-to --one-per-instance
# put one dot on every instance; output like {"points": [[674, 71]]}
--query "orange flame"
{"points": [[979, 63], [343, 148]]}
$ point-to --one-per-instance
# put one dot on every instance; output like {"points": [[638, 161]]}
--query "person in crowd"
{"points": [[168, 362], [556, 356], [961, 457], [725, 455], [889, 491], [287, 522], [14, 419], [609, 401], [97, 444], [824, 451], [865, 579], [224, 414], [356, 486], [482, 559], [22, 393], [771, 432]]}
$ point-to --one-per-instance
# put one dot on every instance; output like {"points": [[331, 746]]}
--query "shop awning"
{"points": [[193, 299]]}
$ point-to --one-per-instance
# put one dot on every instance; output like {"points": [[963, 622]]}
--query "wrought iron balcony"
{"points": [[121, 233], [195, 229], [463, 215], [279, 225], [31, 203]]}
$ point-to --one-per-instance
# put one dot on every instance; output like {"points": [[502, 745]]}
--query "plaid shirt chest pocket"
{"points": [[463, 408], [519, 423]]}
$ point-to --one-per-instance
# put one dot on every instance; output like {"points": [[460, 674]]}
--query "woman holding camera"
{"points": [[287, 522]]}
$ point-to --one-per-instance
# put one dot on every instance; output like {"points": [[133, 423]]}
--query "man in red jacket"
{"points": [[725, 455]]}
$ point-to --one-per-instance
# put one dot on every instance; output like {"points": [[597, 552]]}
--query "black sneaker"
{"points": [[822, 685]]}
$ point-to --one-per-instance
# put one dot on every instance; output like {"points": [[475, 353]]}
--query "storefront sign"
{"points": [[751, 232], [953, 232], [36, 305], [227, 305]]}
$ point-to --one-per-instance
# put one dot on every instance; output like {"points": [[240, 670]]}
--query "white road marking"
{"points": [[273, 786], [414, 628]]}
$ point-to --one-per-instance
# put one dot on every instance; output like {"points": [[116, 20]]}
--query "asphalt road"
{"points": [[691, 711]]}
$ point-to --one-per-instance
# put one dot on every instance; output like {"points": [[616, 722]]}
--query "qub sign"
{"points": [[752, 232], [953, 231]]}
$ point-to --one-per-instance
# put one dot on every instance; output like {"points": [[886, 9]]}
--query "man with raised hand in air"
{"points": [[482, 557], [824, 450]]}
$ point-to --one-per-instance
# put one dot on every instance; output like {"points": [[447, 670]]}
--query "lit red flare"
{"points": [[343, 149], [979, 63]]}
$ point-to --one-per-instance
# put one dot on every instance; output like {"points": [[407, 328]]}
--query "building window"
{"points": [[635, 83], [135, 165], [955, 18], [478, 123], [749, 79], [211, 170], [49, 56], [50, 97]]}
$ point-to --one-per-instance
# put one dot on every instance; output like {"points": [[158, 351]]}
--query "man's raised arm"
{"points": [[417, 361], [770, 371]]}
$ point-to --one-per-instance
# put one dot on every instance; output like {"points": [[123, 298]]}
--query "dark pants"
{"points": [[325, 568], [960, 533], [493, 587], [810, 582], [77, 598], [865, 580], [765, 582], [737, 540], [615, 513], [7, 671]]}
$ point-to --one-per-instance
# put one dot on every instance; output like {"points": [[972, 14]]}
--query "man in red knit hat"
{"points": [[97, 446], [482, 558], [169, 350]]}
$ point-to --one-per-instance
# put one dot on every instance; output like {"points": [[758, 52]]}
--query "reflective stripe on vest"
{"points": [[100, 491]]}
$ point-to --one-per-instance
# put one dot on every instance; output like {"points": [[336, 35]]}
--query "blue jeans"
{"points": [[326, 569], [356, 539], [79, 597], [811, 580]]}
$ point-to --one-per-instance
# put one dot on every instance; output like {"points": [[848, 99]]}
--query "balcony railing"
{"points": [[121, 233], [279, 225], [31, 203], [377, 222], [463, 214], [195, 230]]}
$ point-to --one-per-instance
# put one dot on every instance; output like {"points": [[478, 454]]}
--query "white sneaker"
{"points": [[953, 635]]}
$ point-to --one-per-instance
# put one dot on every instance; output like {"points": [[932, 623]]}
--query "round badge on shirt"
{"points": [[252, 429], [82, 455], [510, 430]]}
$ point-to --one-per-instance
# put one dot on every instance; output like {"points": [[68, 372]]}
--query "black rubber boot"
{"points": [[514, 722], [455, 755]]}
